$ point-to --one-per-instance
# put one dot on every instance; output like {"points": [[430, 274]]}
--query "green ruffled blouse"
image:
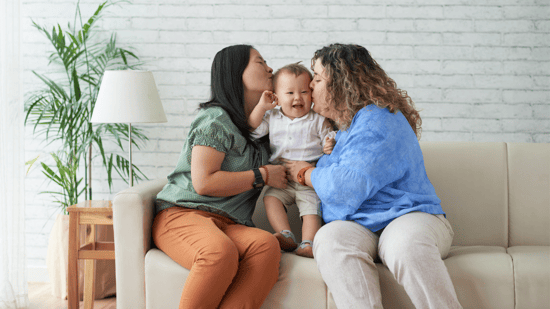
{"points": [[213, 128]]}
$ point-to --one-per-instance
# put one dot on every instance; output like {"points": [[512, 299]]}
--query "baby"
{"points": [[295, 133]]}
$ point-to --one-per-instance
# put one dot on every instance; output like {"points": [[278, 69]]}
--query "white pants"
{"points": [[411, 246]]}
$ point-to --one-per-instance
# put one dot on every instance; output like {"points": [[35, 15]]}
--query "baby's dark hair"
{"points": [[295, 68]]}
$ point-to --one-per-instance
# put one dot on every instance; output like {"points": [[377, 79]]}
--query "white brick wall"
{"points": [[478, 69]]}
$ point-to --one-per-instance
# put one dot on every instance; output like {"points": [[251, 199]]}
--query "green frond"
{"points": [[61, 110]]}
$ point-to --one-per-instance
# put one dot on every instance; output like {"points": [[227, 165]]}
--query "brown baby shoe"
{"points": [[305, 249], [286, 240]]}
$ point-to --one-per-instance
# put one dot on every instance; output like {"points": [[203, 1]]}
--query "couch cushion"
{"points": [[471, 181], [299, 283], [162, 271], [482, 276], [529, 186], [531, 275]]}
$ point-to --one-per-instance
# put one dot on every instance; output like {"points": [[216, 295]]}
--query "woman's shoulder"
{"points": [[376, 122], [371, 116], [213, 127], [212, 113], [210, 117], [373, 111], [381, 116]]}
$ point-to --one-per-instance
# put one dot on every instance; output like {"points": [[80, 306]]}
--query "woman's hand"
{"points": [[277, 176], [293, 167]]}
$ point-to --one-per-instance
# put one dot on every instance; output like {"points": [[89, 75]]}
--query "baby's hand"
{"points": [[329, 145], [268, 100]]}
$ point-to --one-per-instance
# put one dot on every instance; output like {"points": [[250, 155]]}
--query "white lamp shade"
{"points": [[128, 96]]}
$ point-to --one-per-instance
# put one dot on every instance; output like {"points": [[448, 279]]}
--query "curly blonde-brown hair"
{"points": [[355, 80]]}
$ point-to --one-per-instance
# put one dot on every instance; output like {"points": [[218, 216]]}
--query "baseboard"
{"points": [[37, 274]]}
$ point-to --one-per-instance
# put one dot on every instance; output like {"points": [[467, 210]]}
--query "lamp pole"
{"points": [[131, 182], [128, 96]]}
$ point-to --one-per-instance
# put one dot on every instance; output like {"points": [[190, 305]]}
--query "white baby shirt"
{"points": [[299, 139]]}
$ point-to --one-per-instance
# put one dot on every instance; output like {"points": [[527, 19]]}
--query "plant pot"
{"points": [[57, 261]]}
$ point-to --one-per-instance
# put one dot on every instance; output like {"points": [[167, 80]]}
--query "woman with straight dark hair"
{"points": [[204, 213]]}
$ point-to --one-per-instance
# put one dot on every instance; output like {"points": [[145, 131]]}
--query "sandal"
{"points": [[287, 241], [305, 249]]}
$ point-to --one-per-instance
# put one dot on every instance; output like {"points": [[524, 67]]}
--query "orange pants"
{"points": [[231, 265]]}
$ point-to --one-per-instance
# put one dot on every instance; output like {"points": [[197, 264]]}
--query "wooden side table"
{"points": [[91, 213]]}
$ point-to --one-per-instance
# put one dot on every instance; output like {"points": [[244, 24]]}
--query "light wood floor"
{"points": [[40, 296]]}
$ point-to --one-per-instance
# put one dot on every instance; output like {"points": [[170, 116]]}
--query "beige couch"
{"points": [[496, 196]]}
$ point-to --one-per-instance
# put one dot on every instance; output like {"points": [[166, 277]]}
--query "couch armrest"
{"points": [[133, 214]]}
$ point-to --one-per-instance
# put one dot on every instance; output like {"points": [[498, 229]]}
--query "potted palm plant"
{"points": [[60, 112]]}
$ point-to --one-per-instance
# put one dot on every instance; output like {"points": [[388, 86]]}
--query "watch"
{"points": [[258, 179]]}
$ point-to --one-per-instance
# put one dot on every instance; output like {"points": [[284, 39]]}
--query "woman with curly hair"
{"points": [[375, 195]]}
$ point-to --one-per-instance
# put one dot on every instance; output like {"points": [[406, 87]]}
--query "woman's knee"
{"points": [[406, 254], [331, 232], [341, 236], [403, 251], [269, 256], [266, 245], [219, 253], [409, 239]]}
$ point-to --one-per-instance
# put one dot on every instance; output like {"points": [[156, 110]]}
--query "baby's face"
{"points": [[293, 94]]}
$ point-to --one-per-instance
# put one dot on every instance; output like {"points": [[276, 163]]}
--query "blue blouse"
{"points": [[375, 173]]}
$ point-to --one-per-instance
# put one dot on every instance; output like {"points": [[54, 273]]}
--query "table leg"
{"points": [[74, 239], [89, 278], [89, 286]]}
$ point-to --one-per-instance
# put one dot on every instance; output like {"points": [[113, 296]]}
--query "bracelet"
{"points": [[266, 174], [302, 175]]}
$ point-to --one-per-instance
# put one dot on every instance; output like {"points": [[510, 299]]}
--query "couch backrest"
{"points": [[471, 181], [494, 194], [529, 194]]}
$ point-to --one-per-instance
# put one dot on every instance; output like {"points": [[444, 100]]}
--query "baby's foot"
{"points": [[286, 240], [305, 249]]}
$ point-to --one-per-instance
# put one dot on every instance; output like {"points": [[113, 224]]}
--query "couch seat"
{"points": [[531, 275]]}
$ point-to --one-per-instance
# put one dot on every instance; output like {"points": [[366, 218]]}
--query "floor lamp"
{"points": [[128, 96]]}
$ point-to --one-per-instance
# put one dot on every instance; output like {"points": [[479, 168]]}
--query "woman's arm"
{"points": [[295, 166], [368, 159], [209, 180]]}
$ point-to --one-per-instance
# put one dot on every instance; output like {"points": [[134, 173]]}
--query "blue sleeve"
{"points": [[367, 159]]}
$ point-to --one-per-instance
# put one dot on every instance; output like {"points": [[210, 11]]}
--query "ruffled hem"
{"points": [[210, 141]]}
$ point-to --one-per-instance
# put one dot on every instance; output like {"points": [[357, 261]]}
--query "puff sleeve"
{"points": [[212, 132]]}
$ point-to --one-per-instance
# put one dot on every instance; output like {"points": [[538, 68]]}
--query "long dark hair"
{"points": [[226, 85]]}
